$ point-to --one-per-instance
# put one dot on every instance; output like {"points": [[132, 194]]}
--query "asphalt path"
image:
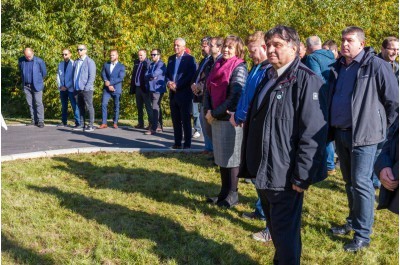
{"points": [[20, 139]]}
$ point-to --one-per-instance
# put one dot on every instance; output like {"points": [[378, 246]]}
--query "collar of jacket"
{"points": [[289, 76]]}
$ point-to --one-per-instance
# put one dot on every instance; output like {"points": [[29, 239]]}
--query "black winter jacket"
{"points": [[375, 99], [285, 139]]}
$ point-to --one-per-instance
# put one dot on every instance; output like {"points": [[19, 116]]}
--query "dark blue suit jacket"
{"points": [[115, 78], [186, 71], [39, 72]]}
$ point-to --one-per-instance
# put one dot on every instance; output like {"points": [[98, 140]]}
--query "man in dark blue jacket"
{"points": [[284, 140], [180, 71], [113, 74], [363, 99], [33, 71]]}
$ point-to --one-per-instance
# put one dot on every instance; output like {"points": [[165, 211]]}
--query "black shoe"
{"points": [[176, 146], [212, 200], [253, 216], [40, 125], [77, 128], [186, 147], [341, 230], [356, 245], [231, 200]]}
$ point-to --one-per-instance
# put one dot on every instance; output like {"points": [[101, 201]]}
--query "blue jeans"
{"points": [[330, 161], [206, 128], [258, 207], [64, 97], [356, 164], [196, 117], [104, 104]]}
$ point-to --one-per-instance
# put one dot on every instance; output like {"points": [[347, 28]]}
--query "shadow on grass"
{"points": [[136, 140], [159, 186], [172, 240], [22, 255]]}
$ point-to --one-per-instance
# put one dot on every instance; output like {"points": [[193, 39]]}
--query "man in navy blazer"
{"points": [[113, 74], [33, 71], [65, 84], [180, 71], [138, 87], [84, 76]]}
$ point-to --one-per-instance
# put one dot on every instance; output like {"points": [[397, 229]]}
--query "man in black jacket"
{"points": [[363, 98], [138, 87], [284, 140]]}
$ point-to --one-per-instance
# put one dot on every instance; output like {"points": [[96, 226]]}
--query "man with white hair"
{"points": [[180, 71]]}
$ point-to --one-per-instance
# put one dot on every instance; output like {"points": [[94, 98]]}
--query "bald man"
{"points": [[33, 71]]}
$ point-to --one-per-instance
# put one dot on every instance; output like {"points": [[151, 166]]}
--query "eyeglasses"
{"points": [[154, 55], [79, 50]]}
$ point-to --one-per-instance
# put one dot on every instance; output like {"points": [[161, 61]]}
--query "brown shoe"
{"points": [[148, 127], [103, 126], [138, 126], [150, 132], [115, 126]]}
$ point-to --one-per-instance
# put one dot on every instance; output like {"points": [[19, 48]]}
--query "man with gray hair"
{"points": [[320, 61], [84, 76], [363, 101], [180, 71], [33, 71]]}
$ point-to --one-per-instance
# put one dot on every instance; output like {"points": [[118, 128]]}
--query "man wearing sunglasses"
{"points": [[33, 71], [84, 76], [65, 84]]}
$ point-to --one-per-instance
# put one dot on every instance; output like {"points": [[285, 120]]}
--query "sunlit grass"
{"points": [[119, 208]]}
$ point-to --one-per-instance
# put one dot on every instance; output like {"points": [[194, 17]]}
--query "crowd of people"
{"points": [[275, 124]]}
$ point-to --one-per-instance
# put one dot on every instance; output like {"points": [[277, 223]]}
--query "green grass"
{"points": [[118, 208]]}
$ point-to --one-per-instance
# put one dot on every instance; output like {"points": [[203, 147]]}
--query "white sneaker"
{"points": [[263, 236], [196, 134]]}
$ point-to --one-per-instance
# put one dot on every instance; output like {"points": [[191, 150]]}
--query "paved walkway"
{"points": [[21, 141]]}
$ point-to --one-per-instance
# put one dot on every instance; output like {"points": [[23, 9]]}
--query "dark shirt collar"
{"points": [[357, 59]]}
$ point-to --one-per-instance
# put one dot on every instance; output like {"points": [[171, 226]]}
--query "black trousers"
{"points": [[180, 114], [282, 210]]}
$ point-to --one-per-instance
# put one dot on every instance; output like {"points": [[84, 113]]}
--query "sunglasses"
{"points": [[80, 50], [154, 54]]}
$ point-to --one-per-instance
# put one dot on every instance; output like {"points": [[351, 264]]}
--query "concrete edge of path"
{"points": [[87, 150]]}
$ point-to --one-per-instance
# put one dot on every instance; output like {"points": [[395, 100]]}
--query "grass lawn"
{"points": [[119, 208]]}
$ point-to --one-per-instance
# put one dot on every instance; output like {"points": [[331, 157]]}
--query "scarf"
{"points": [[218, 80]]}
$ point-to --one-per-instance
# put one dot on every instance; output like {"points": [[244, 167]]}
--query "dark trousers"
{"points": [[156, 99], [180, 114], [35, 103], [143, 99], [64, 97], [85, 100], [282, 210], [104, 103]]}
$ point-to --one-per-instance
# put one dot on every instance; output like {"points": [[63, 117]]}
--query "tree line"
{"points": [[49, 26]]}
